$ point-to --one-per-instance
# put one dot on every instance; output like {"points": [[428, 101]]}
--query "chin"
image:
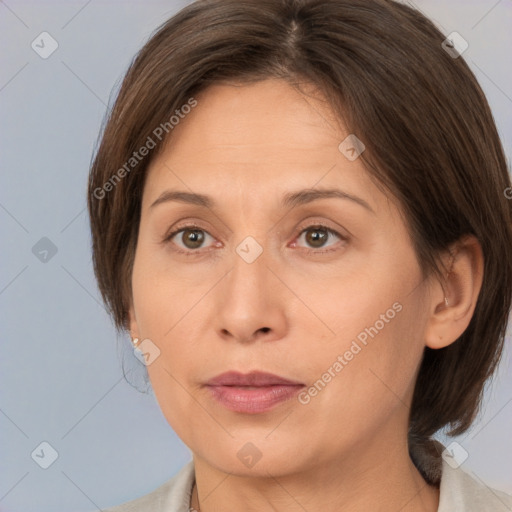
{"points": [[255, 456]]}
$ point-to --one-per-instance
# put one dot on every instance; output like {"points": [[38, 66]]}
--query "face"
{"points": [[322, 290]]}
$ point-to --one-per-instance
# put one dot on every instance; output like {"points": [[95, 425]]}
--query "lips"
{"points": [[253, 379], [255, 392]]}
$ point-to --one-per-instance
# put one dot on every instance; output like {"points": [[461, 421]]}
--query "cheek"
{"points": [[364, 368], [376, 372], [164, 313], [167, 309], [166, 294]]}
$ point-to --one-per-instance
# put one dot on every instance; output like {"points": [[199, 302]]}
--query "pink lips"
{"points": [[252, 393]]}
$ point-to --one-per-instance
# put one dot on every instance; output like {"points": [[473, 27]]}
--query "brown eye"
{"points": [[317, 236], [187, 239], [192, 238]]}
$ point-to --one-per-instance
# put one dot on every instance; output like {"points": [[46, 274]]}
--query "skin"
{"points": [[290, 312]]}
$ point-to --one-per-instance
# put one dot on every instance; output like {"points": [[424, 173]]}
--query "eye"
{"points": [[317, 235], [188, 238]]}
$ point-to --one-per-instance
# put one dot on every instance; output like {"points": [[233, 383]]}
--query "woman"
{"points": [[307, 235]]}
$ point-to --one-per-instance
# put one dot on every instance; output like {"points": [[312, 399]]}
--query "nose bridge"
{"points": [[249, 274], [248, 303], [251, 252]]}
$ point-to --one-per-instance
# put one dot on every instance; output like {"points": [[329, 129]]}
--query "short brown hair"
{"points": [[429, 134]]}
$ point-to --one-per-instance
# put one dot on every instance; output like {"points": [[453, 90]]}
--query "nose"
{"points": [[250, 302]]}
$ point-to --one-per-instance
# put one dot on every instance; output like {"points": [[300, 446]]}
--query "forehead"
{"points": [[259, 139]]}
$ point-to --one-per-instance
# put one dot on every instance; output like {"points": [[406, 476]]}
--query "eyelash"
{"points": [[302, 229]]}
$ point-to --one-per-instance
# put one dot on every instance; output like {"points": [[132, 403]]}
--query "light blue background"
{"points": [[61, 374]]}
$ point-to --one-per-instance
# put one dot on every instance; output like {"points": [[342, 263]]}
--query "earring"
{"points": [[135, 342]]}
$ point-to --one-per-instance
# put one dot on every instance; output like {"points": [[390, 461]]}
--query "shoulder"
{"points": [[172, 496], [461, 491], [458, 489]]}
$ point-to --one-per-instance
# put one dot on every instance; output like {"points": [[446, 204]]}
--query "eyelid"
{"points": [[317, 223], [306, 225], [182, 227], [309, 225]]}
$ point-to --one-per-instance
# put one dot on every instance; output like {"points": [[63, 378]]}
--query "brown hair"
{"points": [[429, 134]]}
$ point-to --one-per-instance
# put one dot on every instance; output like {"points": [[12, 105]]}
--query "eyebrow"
{"points": [[290, 200]]}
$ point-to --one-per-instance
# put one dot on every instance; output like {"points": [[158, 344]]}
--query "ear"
{"points": [[446, 323]]}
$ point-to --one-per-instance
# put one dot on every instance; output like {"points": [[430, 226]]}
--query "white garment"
{"points": [[459, 492]]}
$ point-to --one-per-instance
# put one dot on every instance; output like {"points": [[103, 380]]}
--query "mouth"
{"points": [[252, 393], [251, 379]]}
